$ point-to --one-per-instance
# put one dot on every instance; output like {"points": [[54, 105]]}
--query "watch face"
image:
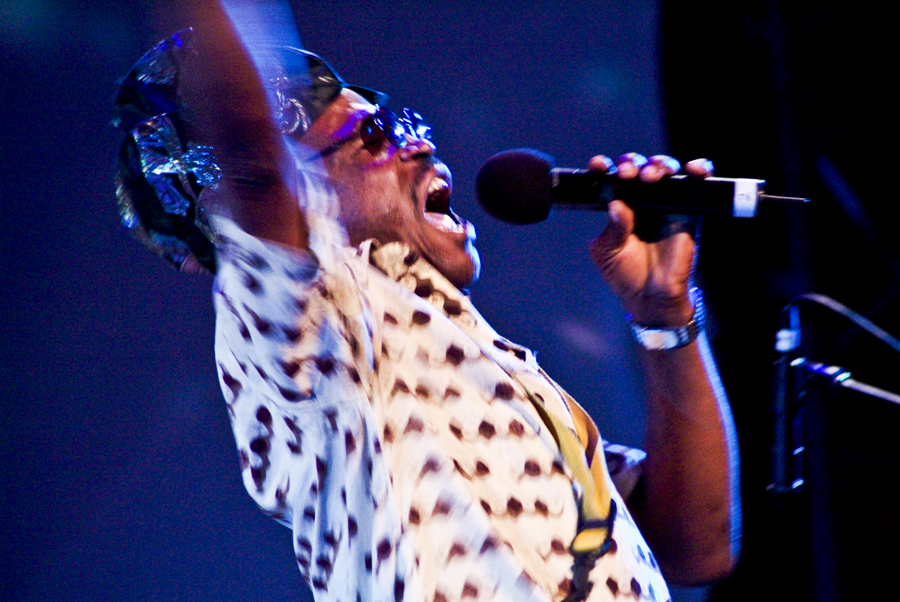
{"points": [[661, 339]]}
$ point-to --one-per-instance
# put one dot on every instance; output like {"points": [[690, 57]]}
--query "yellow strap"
{"points": [[594, 479]]}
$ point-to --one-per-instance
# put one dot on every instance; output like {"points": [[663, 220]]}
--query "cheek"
{"points": [[373, 207]]}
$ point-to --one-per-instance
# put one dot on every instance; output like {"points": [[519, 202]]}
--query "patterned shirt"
{"points": [[383, 420]]}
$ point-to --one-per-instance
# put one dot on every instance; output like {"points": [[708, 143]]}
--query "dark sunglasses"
{"points": [[384, 126]]}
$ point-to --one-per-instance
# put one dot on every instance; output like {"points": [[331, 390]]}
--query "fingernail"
{"points": [[633, 158], [614, 213], [670, 164], [701, 164]]}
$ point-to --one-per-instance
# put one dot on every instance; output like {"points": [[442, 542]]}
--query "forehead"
{"points": [[339, 119]]}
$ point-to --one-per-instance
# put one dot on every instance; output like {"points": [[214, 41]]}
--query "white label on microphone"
{"points": [[746, 196]]}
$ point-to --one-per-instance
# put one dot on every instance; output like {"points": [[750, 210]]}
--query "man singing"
{"points": [[415, 453]]}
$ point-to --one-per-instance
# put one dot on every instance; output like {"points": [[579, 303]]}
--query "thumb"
{"points": [[614, 235]]}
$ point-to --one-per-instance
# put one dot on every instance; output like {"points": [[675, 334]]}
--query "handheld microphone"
{"points": [[520, 185]]}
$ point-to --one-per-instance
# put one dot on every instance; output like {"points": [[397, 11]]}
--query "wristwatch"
{"points": [[663, 339]]}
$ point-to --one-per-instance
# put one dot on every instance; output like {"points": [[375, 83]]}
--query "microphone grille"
{"points": [[515, 185]]}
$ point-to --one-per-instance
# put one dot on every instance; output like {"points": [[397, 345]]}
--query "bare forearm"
{"points": [[228, 104], [688, 506]]}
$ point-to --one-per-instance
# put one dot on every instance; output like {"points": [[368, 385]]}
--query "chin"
{"points": [[464, 274]]}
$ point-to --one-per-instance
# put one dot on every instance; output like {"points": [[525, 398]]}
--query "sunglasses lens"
{"points": [[384, 126], [415, 125], [393, 128], [372, 134]]}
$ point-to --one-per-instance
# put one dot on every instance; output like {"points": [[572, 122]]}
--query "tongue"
{"points": [[441, 221]]}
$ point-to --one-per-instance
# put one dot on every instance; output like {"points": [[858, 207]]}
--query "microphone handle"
{"points": [[680, 195]]}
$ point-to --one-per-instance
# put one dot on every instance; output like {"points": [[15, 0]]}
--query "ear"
{"points": [[192, 265], [291, 117]]}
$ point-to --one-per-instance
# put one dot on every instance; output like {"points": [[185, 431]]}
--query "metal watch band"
{"points": [[663, 339]]}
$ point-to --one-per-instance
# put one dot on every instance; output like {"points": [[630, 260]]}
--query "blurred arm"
{"points": [[225, 94]]}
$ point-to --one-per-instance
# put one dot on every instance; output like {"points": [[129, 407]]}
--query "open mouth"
{"points": [[437, 206]]}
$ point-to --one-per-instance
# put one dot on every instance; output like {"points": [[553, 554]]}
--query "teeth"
{"points": [[437, 209], [437, 184]]}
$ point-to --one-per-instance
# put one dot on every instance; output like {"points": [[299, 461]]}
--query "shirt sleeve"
{"points": [[625, 466], [295, 361]]}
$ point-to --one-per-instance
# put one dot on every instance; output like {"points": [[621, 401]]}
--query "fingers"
{"points": [[648, 226], [634, 165], [602, 163], [629, 165], [699, 167], [659, 167]]}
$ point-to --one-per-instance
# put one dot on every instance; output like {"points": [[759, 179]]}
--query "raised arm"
{"points": [[227, 102], [687, 503]]}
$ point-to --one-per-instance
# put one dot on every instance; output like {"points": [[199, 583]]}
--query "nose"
{"points": [[416, 148]]}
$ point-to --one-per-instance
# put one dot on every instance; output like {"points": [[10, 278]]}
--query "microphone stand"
{"points": [[796, 425], [784, 449], [787, 446], [840, 377]]}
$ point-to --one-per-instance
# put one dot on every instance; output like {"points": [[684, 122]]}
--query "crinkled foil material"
{"points": [[162, 176]]}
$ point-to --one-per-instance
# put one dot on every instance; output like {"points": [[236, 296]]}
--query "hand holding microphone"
{"points": [[651, 278], [650, 274], [520, 186]]}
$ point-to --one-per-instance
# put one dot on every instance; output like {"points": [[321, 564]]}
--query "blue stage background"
{"points": [[119, 477]]}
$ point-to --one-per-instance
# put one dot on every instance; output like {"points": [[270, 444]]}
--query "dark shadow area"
{"points": [[791, 93]]}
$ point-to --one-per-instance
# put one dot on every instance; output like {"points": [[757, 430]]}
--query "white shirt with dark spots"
{"points": [[379, 416]]}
